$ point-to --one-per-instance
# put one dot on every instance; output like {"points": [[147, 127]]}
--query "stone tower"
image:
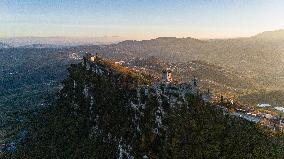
{"points": [[167, 76], [194, 85]]}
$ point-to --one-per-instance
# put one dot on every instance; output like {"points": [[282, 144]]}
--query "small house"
{"points": [[263, 105]]}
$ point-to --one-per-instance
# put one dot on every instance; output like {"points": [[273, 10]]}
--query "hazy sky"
{"points": [[139, 19]]}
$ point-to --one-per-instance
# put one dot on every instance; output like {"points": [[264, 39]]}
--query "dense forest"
{"points": [[110, 116]]}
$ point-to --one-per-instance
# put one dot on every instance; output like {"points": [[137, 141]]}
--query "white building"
{"points": [[263, 105], [93, 58], [119, 62], [281, 109]]}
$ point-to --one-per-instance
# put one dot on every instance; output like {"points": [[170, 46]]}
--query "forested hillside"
{"points": [[112, 112]]}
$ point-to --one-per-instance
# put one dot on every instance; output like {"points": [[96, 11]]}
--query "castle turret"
{"points": [[88, 59], [194, 82], [167, 76], [93, 58], [194, 86]]}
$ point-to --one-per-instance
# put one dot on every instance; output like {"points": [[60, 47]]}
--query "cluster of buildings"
{"points": [[267, 118], [271, 121]]}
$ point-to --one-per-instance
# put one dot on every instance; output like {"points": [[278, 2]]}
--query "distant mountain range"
{"points": [[73, 41], [261, 56], [60, 41], [278, 34], [38, 46]]}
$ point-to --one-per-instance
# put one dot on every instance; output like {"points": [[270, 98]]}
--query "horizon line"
{"points": [[137, 39]]}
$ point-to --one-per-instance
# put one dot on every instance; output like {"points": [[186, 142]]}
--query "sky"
{"points": [[140, 19]]}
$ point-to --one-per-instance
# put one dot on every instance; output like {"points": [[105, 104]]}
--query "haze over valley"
{"points": [[141, 79]]}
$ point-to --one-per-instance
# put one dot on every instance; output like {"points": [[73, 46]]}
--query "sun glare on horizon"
{"points": [[139, 19]]}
